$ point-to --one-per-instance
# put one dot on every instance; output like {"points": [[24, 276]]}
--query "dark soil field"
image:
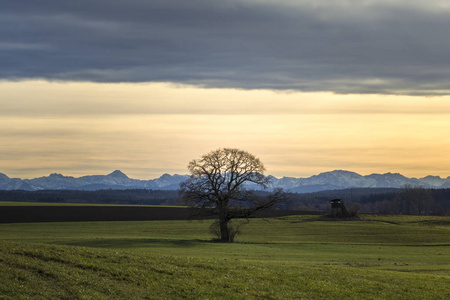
{"points": [[79, 213]]}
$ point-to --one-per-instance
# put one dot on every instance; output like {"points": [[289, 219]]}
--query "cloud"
{"points": [[148, 145], [387, 47], [24, 99]]}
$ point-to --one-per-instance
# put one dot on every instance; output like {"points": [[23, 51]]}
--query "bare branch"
{"points": [[219, 184]]}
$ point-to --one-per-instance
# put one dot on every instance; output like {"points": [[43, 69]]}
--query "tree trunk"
{"points": [[224, 232]]}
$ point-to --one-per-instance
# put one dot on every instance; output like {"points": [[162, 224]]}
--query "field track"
{"points": [[27, 214]]}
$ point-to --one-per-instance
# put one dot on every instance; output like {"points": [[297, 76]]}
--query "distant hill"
{"points": [[334, 180]]}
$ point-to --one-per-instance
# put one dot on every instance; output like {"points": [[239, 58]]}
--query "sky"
{"points": [[88, 87]]}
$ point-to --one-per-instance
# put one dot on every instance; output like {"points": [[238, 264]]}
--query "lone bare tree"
{"points": [[220, 185]]}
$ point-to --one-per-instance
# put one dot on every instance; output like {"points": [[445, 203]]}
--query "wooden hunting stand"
{"points": [[338, 209]]}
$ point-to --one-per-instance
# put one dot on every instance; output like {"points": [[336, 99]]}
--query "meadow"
{"points": [[295, 257]]}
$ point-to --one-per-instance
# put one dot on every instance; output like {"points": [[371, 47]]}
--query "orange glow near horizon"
{"points": [[145, 130]]}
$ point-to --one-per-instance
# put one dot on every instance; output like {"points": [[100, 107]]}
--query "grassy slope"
{"points": [[380, 257]]}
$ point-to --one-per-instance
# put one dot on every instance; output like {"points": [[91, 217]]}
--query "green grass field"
{"points": [[378, 257]]}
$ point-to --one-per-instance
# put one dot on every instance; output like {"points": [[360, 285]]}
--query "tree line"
{"points": [[110, 196], [407, 200]]}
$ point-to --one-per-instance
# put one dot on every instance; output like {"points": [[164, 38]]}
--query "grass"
{"points": [[378, 257], [46, 272], [10, 203]]}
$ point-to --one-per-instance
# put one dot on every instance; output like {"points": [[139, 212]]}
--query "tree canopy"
{"points": [[223, 183]]}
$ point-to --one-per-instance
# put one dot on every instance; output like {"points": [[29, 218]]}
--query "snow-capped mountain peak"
{"points": [[3, 177], [433, 180], [117, 174], [334, 180]]}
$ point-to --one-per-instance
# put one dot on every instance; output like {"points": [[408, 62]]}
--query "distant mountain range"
{"points": [[116, 180], [334, 180]]}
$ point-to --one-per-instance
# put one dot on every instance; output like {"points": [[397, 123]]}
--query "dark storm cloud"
{"points": [[397, 47]]}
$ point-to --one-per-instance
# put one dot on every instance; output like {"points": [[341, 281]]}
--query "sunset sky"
{"points": [[88, 87]]}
